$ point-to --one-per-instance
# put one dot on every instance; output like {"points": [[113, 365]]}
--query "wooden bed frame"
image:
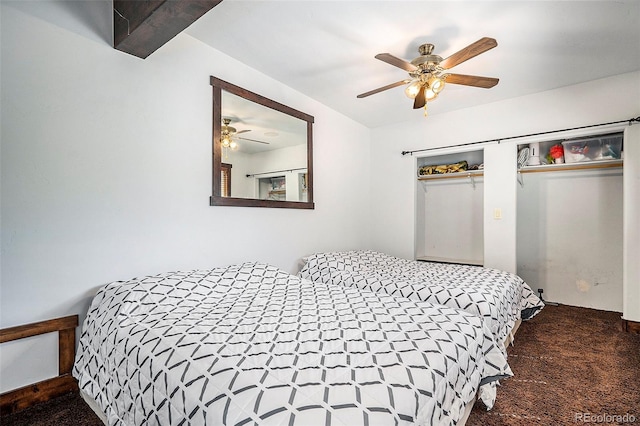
{"points": [[26, 396]]}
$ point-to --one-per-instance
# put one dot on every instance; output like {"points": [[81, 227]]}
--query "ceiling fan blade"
{"points": [[380, 89], [396, 62], [242, 131], [472, 80], [474, 49], [253, 140], [420, 99]]}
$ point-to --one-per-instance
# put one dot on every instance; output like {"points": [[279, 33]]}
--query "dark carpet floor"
{"points": [[66, 410], [571, 366]]}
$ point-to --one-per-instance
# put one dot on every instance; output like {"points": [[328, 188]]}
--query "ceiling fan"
{"points": [[229, 134], [428, 72]]}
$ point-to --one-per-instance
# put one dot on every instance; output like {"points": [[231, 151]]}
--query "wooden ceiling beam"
{"points": [[140, 27]]}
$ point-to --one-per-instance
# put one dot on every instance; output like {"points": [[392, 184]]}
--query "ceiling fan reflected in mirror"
{"points": [[229, 135], [428, 72]]}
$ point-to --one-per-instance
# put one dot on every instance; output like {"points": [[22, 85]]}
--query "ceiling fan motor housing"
{"points": [[226, 129], [426, 60]]}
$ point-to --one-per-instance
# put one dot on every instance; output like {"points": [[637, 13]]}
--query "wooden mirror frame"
{"points": [[217, 199]]}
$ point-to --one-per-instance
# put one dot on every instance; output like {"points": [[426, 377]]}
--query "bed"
{"points": [[252, 344], [502, 299]]}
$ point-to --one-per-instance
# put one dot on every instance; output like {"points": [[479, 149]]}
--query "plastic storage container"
{"points": [[593, 149]]}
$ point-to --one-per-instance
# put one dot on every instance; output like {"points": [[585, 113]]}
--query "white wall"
{"points": [[279, 159], [500, 206], [393, 175], [241, 186], [106, 167]]}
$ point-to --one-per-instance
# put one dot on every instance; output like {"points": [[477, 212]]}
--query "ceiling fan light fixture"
{"points": [[436, 84], [413, 89], [233, 145], [429, 94], [226, 141]]}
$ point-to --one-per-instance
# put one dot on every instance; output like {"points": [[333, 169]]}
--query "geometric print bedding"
{"points": [[252, 344], [499, 297]]}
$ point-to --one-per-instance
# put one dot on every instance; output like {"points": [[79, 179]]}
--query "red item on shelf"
{"points": [[556, 151]]}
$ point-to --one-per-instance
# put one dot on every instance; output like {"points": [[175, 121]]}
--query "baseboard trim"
{"points": [[631, 326]]}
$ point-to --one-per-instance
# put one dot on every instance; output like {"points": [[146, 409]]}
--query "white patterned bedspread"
{"points": [[501, 298], [252, 344]]}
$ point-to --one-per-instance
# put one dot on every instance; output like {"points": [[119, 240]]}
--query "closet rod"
{"points": [[630, 121], [276, 171]]}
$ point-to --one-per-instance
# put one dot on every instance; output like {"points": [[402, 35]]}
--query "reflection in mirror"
{"points": [[262, 151], [266, 149]]}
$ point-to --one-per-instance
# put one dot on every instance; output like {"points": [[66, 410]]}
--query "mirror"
{"points": [[262, 151]]}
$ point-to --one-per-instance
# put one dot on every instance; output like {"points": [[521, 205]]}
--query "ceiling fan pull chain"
{"points": [[425, 109]]}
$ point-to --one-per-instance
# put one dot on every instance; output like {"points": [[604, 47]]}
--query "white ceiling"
{"points": [[326, 49]]}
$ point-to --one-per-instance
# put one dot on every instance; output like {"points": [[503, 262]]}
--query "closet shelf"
{"points": [[456, 175], [600, 164]]}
